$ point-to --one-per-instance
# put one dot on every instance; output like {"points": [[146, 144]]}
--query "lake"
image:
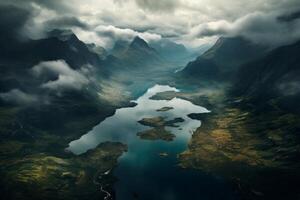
{"points": [[142, 172]]}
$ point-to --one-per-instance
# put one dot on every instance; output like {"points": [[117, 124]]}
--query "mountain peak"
{"points": [[139, 42], [62, 35], [224, 58]]}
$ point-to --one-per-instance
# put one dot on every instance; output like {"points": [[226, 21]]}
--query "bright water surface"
{"points": [[141, 172]]}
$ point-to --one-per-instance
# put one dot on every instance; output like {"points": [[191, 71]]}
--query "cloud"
{"points": [[27, 18], [115, 33], [290, 88], [16, 96], [66, 22], [212, 28], [259, 27], [67, 78], [186, 21], [158, 5], [114, 92], [289, 17], [12, 20], [54, 5]]}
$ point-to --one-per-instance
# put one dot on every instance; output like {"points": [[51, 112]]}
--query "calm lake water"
{"points": [[141, 172]]}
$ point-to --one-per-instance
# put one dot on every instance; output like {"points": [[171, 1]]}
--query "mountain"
{"points": [[276, 76], [140, 53], [57, 45], [18, 58], [50, 94], [100, 51], [137, 55], [259, 112], [57, 78], [223, 58], [120, 47], [171, 51]]}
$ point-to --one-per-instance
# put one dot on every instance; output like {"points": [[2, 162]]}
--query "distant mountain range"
{"points": [[135, 56], [140, 54], [172, 52], [158, 52]]}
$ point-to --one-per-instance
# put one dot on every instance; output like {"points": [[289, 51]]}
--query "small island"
{"points": [[160, 122], [163, 154], [168, 95], [153, 121], [164, 109], [158, 131]]}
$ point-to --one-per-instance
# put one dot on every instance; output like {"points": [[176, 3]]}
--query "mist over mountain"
{"points": [[172, 52]]}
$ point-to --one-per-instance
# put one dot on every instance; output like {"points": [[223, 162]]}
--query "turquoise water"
{"points": [[141, 172]]}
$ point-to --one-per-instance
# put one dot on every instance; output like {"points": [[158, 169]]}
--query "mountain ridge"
{"points": [[224, 58]]}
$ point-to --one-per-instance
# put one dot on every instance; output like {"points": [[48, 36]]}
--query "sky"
{"points": [[190, 22]]}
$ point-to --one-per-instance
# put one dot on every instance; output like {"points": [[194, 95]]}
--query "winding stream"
{"points": [[142, 173]]}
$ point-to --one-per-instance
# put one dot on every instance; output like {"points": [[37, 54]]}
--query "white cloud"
{"points": [[16, 96], [178, 19], [259, 27], [113, 33], [67, 78]]}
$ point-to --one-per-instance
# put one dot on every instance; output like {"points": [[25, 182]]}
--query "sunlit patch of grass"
{"points": [[69, 177], [240, 143]]}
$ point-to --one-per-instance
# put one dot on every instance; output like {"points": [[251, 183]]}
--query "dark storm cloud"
{"points": [[289, 17], [12, 20], [55, 5], [17, 17], [66, 22]]}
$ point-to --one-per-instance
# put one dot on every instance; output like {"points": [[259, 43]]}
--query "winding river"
{"points": [[142, 172]]}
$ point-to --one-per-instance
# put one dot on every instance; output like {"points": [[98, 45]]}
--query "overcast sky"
{"points": [[191, 22]]}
